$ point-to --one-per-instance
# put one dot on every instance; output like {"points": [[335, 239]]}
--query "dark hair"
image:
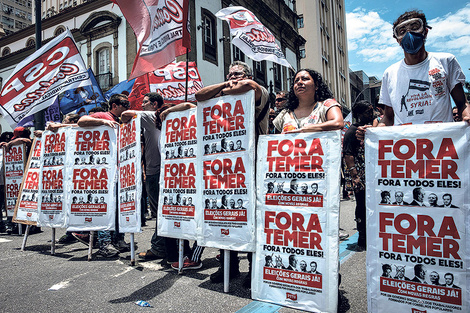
{"points": [[6, 136], [158, 121], [321, 94], [416, 192], [447, 194], [97, 109], [409, 15], [386, 266], [116, 99], [155, 97], [360, 107]]}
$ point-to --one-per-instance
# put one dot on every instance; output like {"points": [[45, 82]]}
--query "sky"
{"points": [[372, 47]]}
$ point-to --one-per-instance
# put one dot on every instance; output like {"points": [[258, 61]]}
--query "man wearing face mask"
{"points": [[417, 89], [353, 152]]}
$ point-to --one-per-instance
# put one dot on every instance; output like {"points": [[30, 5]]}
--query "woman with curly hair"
{"points": [[310, 107]]}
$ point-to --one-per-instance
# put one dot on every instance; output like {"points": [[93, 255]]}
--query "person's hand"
{"points": [[112, 124], [38, 133], [54, 127], [361, 131], [294, 131]]}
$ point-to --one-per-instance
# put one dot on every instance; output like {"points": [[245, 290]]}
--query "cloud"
{"points": [[451, 32], [370, 37]]}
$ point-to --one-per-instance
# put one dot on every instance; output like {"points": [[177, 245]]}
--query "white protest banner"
{"points": [[130, 176], [417, 218], [14, 162], [226, 172], [298, 184], [91, 172], [37, 80], [26, 211], [251, 36], [52, 200], [176, 208]]}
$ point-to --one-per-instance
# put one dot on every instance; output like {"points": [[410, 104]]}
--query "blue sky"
{"points": [[372, 47]]}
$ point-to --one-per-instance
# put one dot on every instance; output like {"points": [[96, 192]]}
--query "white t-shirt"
{"points": [[420, 93]]}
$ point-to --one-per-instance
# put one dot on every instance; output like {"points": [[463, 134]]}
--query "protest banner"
{"points": [[14, 163], [130, 176], [91, 170], [226, 172], [298, 183], [26, 210], [176, 208], [37, 81], [52, 199], [417, 218]]}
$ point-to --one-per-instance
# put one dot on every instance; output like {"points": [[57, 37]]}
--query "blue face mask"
{"points": [[412, 42]]}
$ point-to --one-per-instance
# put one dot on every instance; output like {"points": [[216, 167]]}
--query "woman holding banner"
{"points": [[310, 107]]}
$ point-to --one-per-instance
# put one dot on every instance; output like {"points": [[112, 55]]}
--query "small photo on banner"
{"points": [[14, 164], [26, 211], [52, 198], [296, 259], [177, 201], [91, 172], [418, 251], [226, 172], [130, 176]]}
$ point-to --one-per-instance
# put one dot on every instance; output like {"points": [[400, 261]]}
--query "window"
{"points": [[300, 21], [103, 61], [209, 34], [238, 55], [302, 52], [260, 72]]}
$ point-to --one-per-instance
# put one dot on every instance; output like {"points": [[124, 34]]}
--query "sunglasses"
{"points": [[280, 99]]}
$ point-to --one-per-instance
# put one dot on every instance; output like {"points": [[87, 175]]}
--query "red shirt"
{"points": [[105, 116]]}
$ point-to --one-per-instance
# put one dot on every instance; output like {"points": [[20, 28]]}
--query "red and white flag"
{"points": [[161, 28], [38, 80], [251, 37]]}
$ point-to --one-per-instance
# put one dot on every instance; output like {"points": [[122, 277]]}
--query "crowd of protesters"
{"points": [[308, 106]]}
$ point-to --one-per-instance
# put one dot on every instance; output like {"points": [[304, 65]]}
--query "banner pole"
{"points": [[132, 250], [20, 229], [26, 232], [226, 270], [187, 71], [90, 245], [180, 256], [53, 242]]}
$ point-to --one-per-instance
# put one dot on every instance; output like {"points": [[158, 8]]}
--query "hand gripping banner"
{"points": [[226, 172], [26, 211], [130, 176], [14, 162], [418, 218], [91, 170], [298, 187], [52, 200], [177, 201]]}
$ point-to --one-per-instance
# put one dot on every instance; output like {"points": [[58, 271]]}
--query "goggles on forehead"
{"points": [[414, 25]]}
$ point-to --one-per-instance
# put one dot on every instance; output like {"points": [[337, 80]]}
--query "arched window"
{"points": [[59, 30], [30, 42], [6, 51]]}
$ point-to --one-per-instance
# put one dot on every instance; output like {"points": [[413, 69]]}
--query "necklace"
{"points": [[298, 121]]}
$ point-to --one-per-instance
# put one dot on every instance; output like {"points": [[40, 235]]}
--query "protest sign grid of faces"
{"points": [[130, 176], [417, 218], [297, 220], [26, 210], [14, 164], [226, 172], [177, 201]]}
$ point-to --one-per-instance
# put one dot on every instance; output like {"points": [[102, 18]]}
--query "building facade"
{"points": [[108, 44], [323, 25], [15, 15]]}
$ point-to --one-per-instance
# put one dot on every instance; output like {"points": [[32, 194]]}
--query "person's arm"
{"points": [[387, 120], [351, 167], [126, 116], [179, 107], [210, 92], [17, 142], [55, 126], [88, 121], [230, 87], [38, 133], [461, 103], [334, 122]]}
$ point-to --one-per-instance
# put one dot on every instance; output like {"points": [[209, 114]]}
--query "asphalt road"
{"points": [[36, 281]]}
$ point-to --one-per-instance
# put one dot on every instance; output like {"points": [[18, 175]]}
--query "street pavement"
{"points": [[36, 281]]}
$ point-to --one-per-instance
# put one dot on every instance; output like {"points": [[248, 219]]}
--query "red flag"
{"points": [[161, 28], [140, 88]]}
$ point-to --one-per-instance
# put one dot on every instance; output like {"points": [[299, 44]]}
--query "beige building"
{"points": [[323, 25], [15, 15]]}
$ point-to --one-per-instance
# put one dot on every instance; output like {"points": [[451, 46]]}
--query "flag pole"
{"points": [[187, 71], [39, 117]]}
